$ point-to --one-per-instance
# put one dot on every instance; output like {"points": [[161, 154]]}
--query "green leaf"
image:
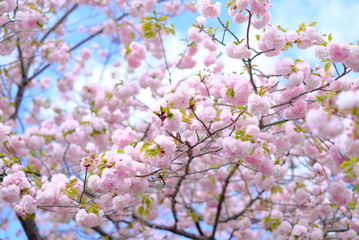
{"points": [[272, 222], [145, 19], [321, 98], [312, 24], [170, 30], [119, 83], [170, 115], [227, 23], [93, 209], [327, 66], [143, 212], [345, 164], [73, 181], [352, 204], [38, 183], [213, 179], [162, 18], [262, 91], [11, 160], [128, 49], [49, 139], [301, 27], [230, 3], [240, 133], [146, 200], [217, 197], [103, 237], [192, 102], [6, 72], [265, 148], [29, 168], [354, 159], [149, 34], [144, 146], [108, 96], [275, 223], [65, 133], [71, 192], [193, 215], [349, 170], [355, 111], [280, 28], [32, 7], [173, 29], [151, 152], [230, 92], [252, 152], [276, 189], [299, 129], [146, 213]]}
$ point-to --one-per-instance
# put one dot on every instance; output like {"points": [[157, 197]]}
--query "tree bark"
{"points": [[30, 228]]}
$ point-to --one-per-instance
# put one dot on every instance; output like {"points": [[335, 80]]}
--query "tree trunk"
{"points": [[30, 228]]}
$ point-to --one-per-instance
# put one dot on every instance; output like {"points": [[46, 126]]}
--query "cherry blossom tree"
{"points": [[109, 131]]}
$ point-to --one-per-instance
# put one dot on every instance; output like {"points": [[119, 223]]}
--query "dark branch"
{"points": [[30, 228], [171, 229]]}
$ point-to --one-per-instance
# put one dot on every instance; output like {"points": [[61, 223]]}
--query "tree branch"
{"points": [[251, 202], [102, 232], [172, 229], [221, 199]]}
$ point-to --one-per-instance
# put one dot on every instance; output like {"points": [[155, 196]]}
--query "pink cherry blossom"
{"points": [[348, 99], [339, 194], [337, 52], [121, 138], [237, 51], [10, 193], [85, 219], [237, 148], [134, 54], [258, 105], [209, 9]]}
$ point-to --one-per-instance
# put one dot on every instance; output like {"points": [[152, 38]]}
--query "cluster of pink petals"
{"points": [[315, 119], [86, 219], [55, 51], [139, 8], [237, 51], [134, 54], [7, 6], [209, 9], [339, 193], [340, 52]]}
